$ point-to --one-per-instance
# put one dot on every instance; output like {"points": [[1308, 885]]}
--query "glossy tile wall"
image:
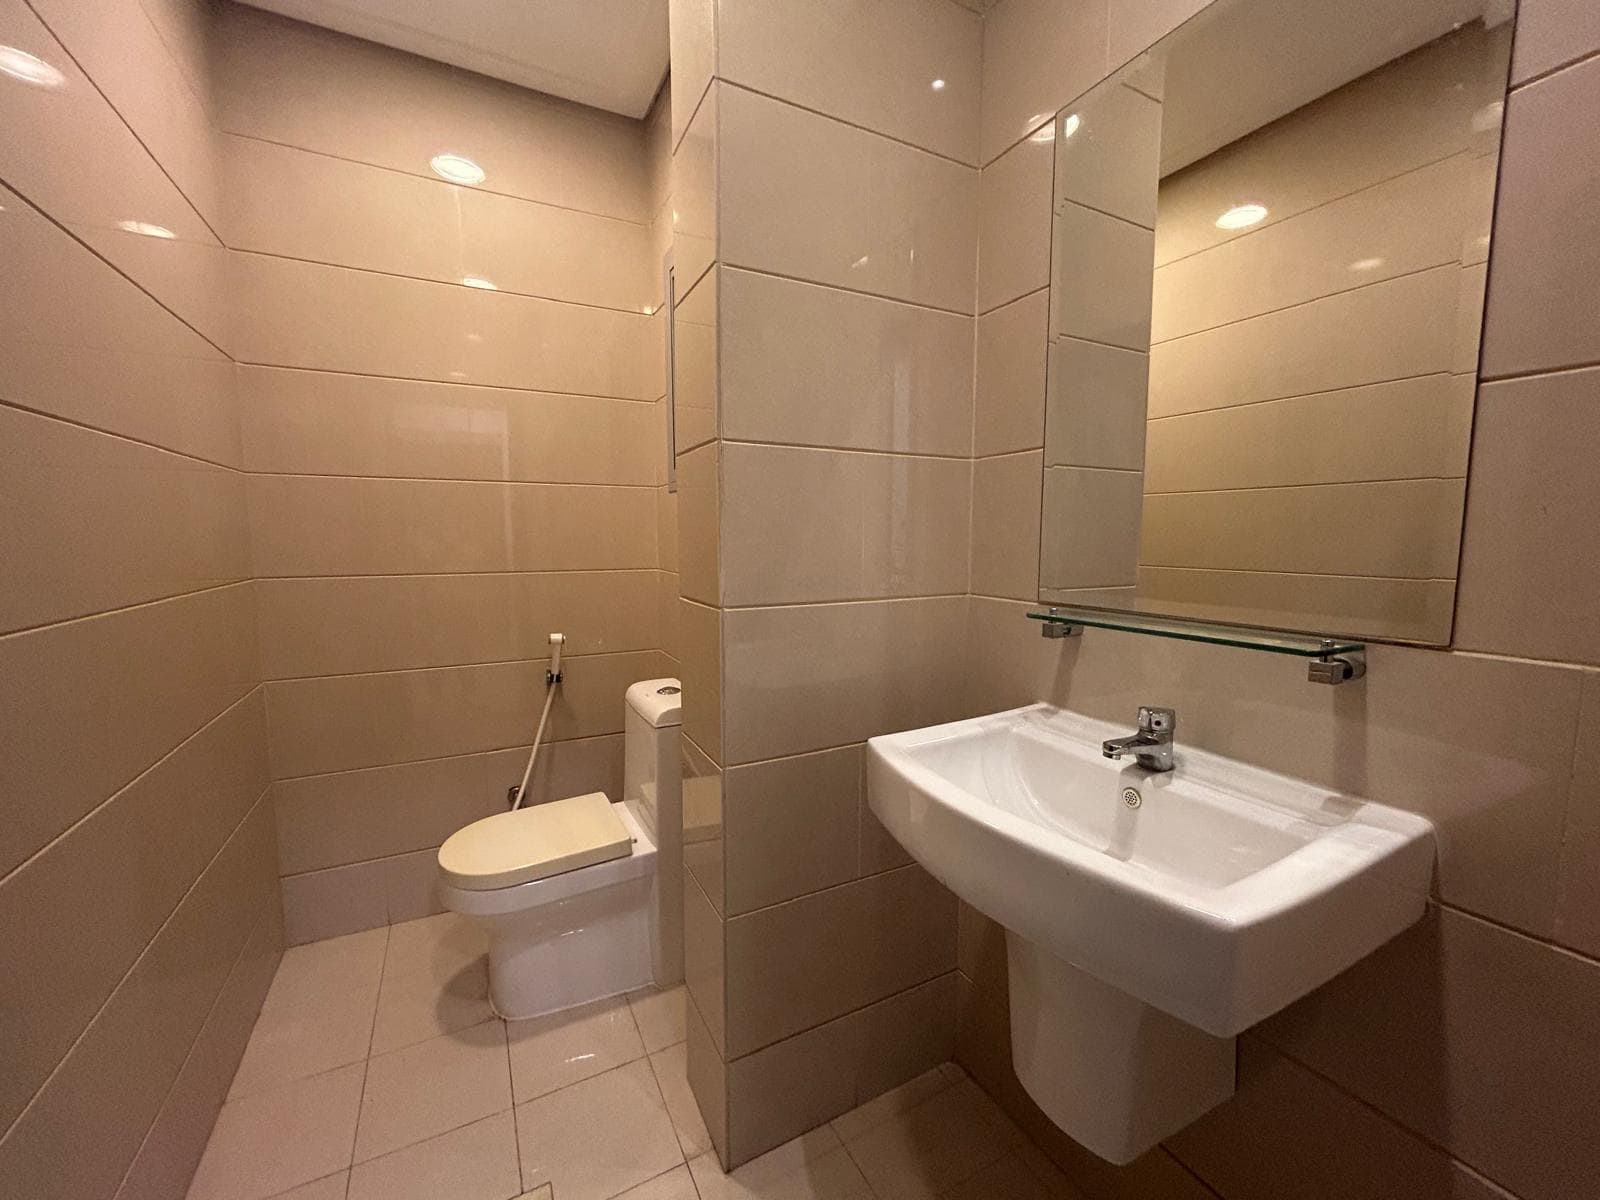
{"points": [[825, 424], [1456, 1061], [449, 401], [139, 916]]}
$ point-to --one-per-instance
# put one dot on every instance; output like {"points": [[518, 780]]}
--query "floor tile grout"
{"points": [[366, 1064]]}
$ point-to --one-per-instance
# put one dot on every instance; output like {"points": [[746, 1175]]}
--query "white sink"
{"points": [[1225, 894]]}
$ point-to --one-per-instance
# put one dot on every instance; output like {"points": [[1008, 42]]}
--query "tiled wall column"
{"points": [[824, 526], [1455, 1061], [449, 395], [139, 916]]}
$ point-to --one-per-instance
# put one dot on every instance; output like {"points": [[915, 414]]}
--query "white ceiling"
{"points": [[611, 54]]}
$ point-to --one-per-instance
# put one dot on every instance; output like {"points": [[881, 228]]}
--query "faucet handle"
{"points": [[1157, 720]]}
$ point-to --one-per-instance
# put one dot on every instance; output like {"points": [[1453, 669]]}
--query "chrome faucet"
{"points": [[1152, 745]]}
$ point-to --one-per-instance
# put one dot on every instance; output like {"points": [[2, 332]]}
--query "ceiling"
{"points": [[611, 54]]}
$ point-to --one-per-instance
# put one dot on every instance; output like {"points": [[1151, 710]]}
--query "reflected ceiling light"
{"points": [[478, 281], [1071, 125], [1241, 215], [937, 85], [1366, 264], [1487, 118], [456, 169], [860, 262], [19, 64], [146, 229]]}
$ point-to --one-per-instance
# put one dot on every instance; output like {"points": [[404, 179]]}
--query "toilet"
{"points": [[569, 893]]}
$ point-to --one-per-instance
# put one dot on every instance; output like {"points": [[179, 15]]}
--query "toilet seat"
{"points": [[535, 843]]}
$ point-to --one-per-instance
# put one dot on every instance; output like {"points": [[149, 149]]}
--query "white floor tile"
{"points": [[814, 1166], [676, 1184], [659, 1012], [321, 972], [1008, 1179], [267, 1143], [294, 1040], [415, 1007], [598, 1138], [433, 1087], [329, 1187], [876, 1111], [475, 1162], [929, 1149], [550, 1053], [443, 946], [671, 1068]]}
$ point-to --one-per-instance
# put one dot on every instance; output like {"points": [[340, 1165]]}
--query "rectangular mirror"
{"points": [[1270, 244]]}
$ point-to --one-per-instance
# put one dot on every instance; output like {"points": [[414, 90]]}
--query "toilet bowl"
{"points": [[569, 893]]}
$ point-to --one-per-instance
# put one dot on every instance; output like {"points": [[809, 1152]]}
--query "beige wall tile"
{"points": [[905, 1035], [1097, 405], [702, 821], [324, 423], [1550, 33], [1409, 610], [1433, 1031], [111, 695], [317, 525], [1546, 242], [699, 538], [189, 278], [701, 639], [1398, 227], [85, 343], [705, 978], [695, 366], [858, 525], [1523, 594], [1014, 223], [388, 622], [814, 366], [816, 676], [299, 314], [784, 1090], [797, 964], [790, 826], [831, 57], [119, 48], [1012, 345], [286, 201], [1019, 666], [92, 170], [667, 530], [1390, 331], [805, 196], [1092, 517], [171, 1151], [1111, 158], [102, 522], [695, 183], [301, 86], [116, 1075], [693, 51], [1287, 1130], [351, 816], [1409, 429], [1135, 27], [1005, 525], [1037, 56], [411, 886], [708, 1080], [1304, 529], [1102, 276], [326, 904], [344, 722], [59, 938]]}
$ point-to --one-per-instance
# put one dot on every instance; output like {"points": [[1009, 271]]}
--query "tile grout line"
{"points": [[366, 1063]]}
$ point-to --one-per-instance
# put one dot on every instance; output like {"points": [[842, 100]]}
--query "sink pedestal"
{"points": [[1110, 1070]]}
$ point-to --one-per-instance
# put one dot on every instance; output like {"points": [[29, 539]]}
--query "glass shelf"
{"points": [[1298, 645]]}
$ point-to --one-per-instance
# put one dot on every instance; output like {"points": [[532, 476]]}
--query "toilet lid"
{"points": [[532, 843]]}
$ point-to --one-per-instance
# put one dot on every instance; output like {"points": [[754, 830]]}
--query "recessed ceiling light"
{"points": [[146, 229], [1241, 215], [1071, 124], [478, 281], [456, 169], [937, 85], [29, 68]]}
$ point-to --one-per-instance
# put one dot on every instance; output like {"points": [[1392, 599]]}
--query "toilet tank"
{"points": [[652, 777]]}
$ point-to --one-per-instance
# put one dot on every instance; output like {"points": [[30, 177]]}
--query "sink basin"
{"points": [[1186, 905]]}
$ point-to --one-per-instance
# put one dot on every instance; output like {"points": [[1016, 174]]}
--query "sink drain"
{"points": [[1131, 797]]}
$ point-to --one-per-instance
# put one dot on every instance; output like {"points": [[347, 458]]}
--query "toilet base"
{"points": [[574, 951]]}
